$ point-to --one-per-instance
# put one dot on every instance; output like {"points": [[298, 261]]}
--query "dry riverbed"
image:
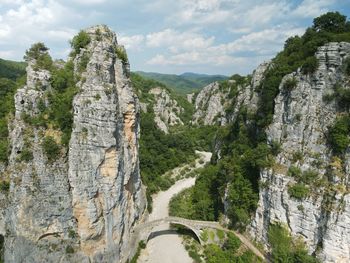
{"points": [[166, 245]]}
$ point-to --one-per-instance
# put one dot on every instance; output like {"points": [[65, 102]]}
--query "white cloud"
{"points": [[90, 2], [215, 34], [257, 44], [11, 2], [135, 42], [33, 21], [312, 8], [176, 41]]}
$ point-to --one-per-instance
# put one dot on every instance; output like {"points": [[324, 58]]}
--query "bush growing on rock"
{"points": [[310, 65], [121, 54], [285, 248], [51, 148], [338, 135], [298, 191], [80, 41], [290, 84]]}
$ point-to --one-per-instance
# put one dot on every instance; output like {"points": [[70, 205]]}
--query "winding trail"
{"points": [[169, 248]]}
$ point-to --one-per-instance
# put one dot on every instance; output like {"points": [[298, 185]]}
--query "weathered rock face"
{"points": [[248, 96], [103, 159], [82, 206], [39, 215], [209, 105], [220, 105], [166, 110], [300, 124]]}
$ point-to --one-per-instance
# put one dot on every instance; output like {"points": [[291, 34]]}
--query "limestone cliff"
{"points": [[219, 103], [166, 109], [209, 105], [300, 125], [81, 205]]}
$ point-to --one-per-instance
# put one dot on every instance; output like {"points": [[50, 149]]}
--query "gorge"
{"points": [[89, 148]]}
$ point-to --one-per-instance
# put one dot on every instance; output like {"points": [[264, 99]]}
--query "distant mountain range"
{"points": [[184, 83]]}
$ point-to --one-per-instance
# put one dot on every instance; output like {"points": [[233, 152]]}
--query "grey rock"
{"points": [[209, 105], [166, 109], [82, 206], [300, 124]]}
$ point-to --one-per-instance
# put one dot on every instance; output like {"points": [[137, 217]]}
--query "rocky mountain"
{"points": [[219, 102], [167, 111], [77, 199], [282, 157], [307, 187], [166, 107]]}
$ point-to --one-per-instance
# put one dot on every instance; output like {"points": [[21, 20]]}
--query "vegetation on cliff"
{"points": [[160, 152], [299, 52], [244, 151]]}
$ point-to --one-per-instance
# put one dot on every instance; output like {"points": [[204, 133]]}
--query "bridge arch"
{"points": [[151, 233]]}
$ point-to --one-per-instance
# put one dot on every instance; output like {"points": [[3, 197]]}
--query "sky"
{"points": [[166, 36]]}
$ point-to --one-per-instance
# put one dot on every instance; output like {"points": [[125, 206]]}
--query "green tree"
{"points": [[331, 22]]}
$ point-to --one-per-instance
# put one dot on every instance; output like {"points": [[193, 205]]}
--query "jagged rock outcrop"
{"points": [[82, 205], [210, 105], [216, 104], [166, 109], [300, 125], [39, 215]]}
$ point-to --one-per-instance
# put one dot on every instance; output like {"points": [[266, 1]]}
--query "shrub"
{"points": [[347, 66], [290, 84], [285, 248], [294, 171], [98, 34], [309, 176], [300, 208], [51, 148], [297, 156], [121, 54], [26, 155], [80, 41], [84, 60], [298, 116], [72, 233], [232, 242], [69, 249], [3, 150], [338, 134], [276, 148], [298, 191], [4, 186], [342, 96], [310, 65]]}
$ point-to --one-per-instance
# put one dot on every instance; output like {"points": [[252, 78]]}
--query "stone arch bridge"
{"points": [[143, 231]]}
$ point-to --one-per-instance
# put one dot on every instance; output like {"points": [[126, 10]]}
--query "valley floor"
{"points": [[166, 245]]}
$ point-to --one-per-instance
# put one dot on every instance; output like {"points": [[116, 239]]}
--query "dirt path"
{"points": [[167, 246]]}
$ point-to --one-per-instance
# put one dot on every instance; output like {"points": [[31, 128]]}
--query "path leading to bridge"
{"points": [[166, 246], [169, 248]]}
